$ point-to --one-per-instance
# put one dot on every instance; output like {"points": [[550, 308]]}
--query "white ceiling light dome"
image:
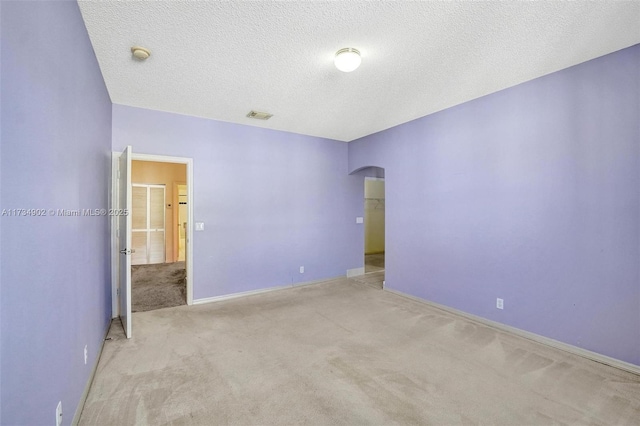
{"points": [[347, 59], [140, 52]]}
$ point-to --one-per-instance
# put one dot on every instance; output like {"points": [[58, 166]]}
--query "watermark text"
{"points": [[63, 212]]}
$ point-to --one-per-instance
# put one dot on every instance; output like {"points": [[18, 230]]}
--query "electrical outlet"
{"points": [[59, 414], [302, 269], [499, 303], [85, 354]]}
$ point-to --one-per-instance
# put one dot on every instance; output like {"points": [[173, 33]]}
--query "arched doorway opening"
{"points": [[373, 232]]}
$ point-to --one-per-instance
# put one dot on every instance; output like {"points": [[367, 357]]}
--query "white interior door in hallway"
{"points": [[148, 224]]}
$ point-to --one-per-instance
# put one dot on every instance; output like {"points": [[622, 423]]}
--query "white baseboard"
{"points": [[594, 356], [355, 272], [260, 291], [85, 393]]}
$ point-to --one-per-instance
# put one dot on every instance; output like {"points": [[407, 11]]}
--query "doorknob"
{"points": [[127, 251]]}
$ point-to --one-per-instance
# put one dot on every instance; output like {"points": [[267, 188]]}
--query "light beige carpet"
{"points": [[343, 353], [373, 279]]}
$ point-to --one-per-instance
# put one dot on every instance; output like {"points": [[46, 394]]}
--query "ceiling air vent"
{"points": [[259, 115]]}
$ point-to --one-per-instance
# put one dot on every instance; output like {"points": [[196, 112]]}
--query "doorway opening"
{"points": [[372, 272], [158, 274], [374, 225], [157, 237]]}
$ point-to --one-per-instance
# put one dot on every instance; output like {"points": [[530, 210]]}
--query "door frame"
{"points": [[115, 255]]}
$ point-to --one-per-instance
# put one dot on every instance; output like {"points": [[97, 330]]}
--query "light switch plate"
{"points": [[359, 219], [199, 226]]}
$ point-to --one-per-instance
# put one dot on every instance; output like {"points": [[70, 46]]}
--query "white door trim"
{"points": [[114, 242]]}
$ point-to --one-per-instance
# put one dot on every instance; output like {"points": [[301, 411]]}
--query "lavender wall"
{"points": [[271, 201], [0, 210], [0, 215], [56, 142], [530, 194]]}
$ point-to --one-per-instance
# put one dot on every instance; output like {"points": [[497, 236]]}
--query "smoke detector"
{"points": [[259, 115], [140, 52]]}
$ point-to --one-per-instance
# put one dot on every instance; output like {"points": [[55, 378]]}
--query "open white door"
{"points": [[124, 238]]}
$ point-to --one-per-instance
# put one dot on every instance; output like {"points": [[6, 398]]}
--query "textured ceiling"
{"points": [[221, 59]]}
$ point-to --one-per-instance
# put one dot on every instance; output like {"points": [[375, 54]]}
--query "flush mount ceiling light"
{"points": [[140, 52], [347, 59]]}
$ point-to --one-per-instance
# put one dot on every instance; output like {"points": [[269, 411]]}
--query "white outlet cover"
{"points": [[499, 303], [359, 219], [199, 226], [302, 269], [85, 354]]}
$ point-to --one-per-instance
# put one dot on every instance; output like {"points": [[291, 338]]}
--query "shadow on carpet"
{"points": [[157, 286]]}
